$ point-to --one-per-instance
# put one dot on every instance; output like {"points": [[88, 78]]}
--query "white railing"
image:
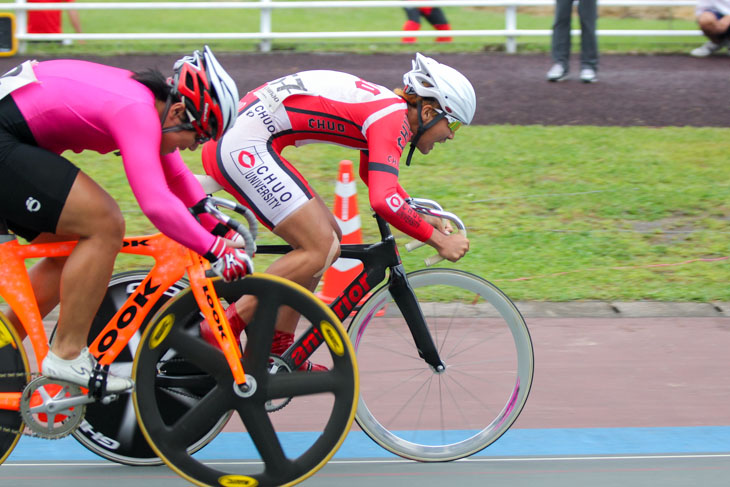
{"points": [[266, 35]]}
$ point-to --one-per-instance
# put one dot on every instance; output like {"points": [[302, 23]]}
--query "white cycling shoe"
{"points": [[79, 371]]}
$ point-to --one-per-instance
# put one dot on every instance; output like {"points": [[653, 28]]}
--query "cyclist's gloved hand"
{"points": [[235, 238], [229, 263], [222, 230]]}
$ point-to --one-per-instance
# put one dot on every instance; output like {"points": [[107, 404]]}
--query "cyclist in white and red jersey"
{"points": [[51, 107], [336, 108]]}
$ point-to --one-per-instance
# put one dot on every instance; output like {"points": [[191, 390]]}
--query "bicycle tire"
{"points": [[321, 402], [417, 413], [16, 374], [111, 431]]}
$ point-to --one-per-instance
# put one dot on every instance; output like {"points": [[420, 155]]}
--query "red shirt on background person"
{"points": [[49, 21]]}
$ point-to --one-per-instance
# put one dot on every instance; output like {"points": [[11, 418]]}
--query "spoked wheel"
{"points": [[266, 446], [14, 375], [426, 415], [111, 431]]}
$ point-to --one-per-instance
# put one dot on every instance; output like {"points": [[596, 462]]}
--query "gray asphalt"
{"points": [[626, 471]]}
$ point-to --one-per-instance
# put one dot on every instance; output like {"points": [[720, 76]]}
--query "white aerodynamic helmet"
{"points": [[431, 79]]}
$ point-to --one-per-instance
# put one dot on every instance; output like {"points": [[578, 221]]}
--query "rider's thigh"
{"points": [[310, 227], [90, 211], [330, 216], [34, 184]]}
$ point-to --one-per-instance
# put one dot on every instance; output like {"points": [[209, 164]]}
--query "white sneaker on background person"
{"points": [[588, 75], [705, 49], [557, 73], [79, 371]]}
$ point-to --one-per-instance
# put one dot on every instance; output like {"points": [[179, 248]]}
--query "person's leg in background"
{"points": [[437, 18], [412, 23], [588, 13], [715, 26], [560, 42]]}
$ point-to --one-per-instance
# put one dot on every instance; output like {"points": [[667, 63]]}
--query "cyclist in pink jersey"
{"points": [[337, 108], [51, 107]]}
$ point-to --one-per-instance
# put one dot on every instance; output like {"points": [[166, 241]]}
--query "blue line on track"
{"points": [[516, 442]]}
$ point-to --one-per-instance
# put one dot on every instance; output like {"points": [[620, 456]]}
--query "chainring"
{"points": [[44, 414], [277, 366]]}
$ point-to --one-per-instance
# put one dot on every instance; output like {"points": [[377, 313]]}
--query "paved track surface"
{"points": [[616, 401], [640, 471], [673, 90]]}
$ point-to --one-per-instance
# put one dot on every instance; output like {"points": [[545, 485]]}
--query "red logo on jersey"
{"points": [[394, 202], [246, 159], [364, 85]]}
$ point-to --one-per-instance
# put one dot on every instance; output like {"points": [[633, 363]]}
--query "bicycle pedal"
{"points": [[109, 398], [97, 382]]}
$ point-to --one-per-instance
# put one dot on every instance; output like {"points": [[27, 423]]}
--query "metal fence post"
{"points": [[510, 23], [265, 27], [21, 27]]}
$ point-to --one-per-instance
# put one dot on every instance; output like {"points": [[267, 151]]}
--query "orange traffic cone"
{"points": [[344, 271]]}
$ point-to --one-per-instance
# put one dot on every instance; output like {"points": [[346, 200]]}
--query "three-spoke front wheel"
{"points": [[267, 446]]}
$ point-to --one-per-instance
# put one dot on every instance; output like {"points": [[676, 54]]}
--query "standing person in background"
{"points": [[434, 15], [713, 17], [49, 21], [588, 13]]}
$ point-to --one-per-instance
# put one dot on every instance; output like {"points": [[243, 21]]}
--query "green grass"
{"points": [[348, 19], [553, 213]]}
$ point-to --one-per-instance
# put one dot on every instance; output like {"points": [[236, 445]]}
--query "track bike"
{"points": [[172, 386], [446, 360]]}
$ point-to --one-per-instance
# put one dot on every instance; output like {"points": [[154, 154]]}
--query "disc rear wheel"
{"points": [[14, 375], [111, 431]]}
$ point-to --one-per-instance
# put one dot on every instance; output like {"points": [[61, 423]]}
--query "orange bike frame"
{"points": [[172, 261]]}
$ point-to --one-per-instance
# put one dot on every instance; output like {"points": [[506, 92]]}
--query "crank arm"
{"points": [[62, 404]]}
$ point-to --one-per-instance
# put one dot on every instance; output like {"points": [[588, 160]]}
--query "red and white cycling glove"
{"points": [[222, 230], [234, 237], [227, 262]]}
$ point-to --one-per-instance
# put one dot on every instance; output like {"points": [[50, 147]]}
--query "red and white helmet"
{"points": [[209, 93], [431, 79]]}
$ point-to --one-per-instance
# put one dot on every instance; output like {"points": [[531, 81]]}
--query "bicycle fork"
{"points": [[405, 298], [403, 295]]}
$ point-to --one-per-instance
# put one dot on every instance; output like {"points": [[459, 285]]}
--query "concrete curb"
{"points": [[622, 309], [588, 309]]}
